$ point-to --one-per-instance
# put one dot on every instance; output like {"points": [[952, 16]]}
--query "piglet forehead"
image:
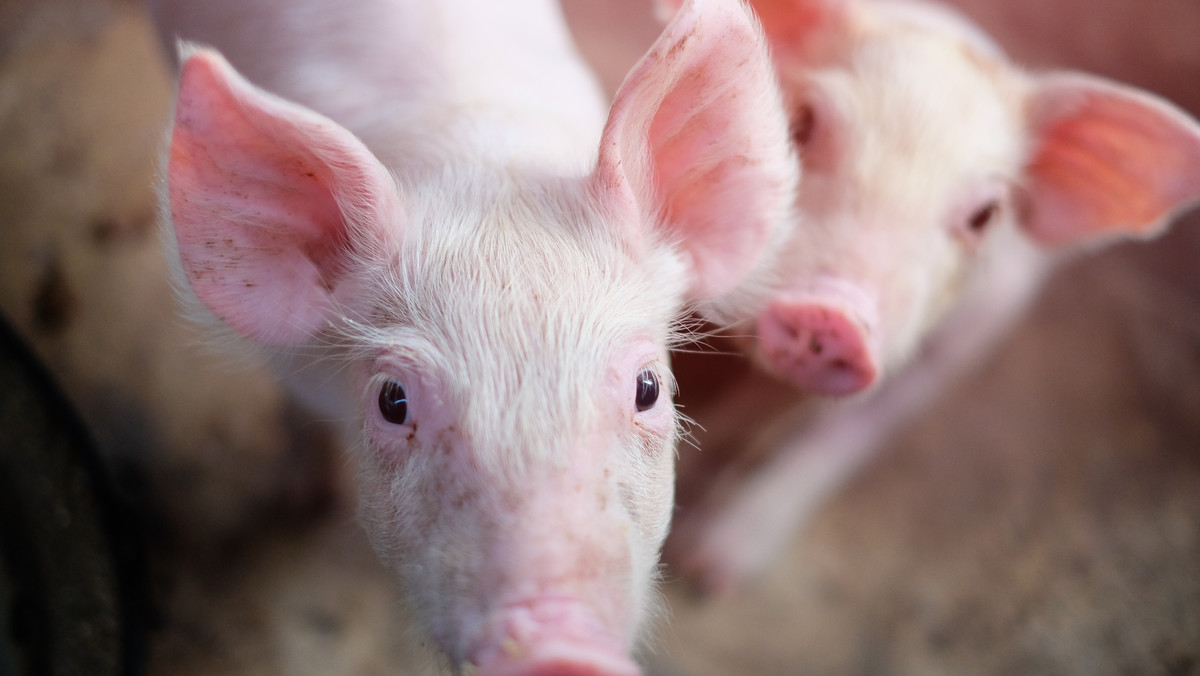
{"points": [[939, 19], [905, 136], [527, 308]]}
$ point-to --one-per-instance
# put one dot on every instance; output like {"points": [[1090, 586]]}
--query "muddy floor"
{"points": [[1042, 518]]}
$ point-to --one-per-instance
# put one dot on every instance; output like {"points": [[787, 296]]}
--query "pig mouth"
{"points": [[557, 658]]}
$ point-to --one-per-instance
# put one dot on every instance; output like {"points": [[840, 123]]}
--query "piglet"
{"points": [[421, 212], [940, 184]]}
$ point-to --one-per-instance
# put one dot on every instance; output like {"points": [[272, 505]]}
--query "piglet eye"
{"points": [[647, 389], [803, 124], [983, 217], [393, 403]]}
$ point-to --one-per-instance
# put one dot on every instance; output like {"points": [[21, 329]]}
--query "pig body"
{"points": [[446, 246], [941, 183]]}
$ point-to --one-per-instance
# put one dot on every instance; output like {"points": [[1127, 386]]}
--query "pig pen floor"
{"points": [[1044, 517]]}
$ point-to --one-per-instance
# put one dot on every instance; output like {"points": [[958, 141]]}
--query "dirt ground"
{"points": [[1042, 518]]}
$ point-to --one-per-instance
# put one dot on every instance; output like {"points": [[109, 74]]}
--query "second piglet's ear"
{"points": [[697, 139], [268, 201], [796, 26], [791, 25], [1106, 160]]}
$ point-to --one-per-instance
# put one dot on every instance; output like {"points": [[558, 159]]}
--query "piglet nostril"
{"points": [[814, 345]]}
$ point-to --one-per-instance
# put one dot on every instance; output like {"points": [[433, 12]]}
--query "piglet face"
{"points": [[929, 162], [911, 147], [516, 465]]}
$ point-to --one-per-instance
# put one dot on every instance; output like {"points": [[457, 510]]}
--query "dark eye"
{"points": [[647, 389], [983, 217], [393, 403], [803, 125]]}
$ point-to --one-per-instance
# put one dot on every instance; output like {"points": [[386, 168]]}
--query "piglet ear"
{"points": [[793, 27], [1107, 160], [268, 201], [697, 137], [665, 9]]}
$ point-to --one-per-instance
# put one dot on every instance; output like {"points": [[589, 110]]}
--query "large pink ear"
{"points": [[698, 137], [790, 25], [268, 201], [1107, 160]]}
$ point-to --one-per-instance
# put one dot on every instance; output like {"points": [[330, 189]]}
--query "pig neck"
{"points": [[421, 83], [500, 82]]}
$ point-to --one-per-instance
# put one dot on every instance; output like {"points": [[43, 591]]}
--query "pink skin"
{"points": [[462, 261], [941, 182]]}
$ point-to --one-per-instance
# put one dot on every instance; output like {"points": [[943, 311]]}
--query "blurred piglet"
{"points": [[446, 246], [940, 184]]}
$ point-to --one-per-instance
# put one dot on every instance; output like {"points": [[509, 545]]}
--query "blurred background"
{"points": [[1043, 517]]}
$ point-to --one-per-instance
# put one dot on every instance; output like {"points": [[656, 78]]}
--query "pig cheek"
{"points": [[656, 424], [396, 463], [418, 500], [390, 445], [640, 469], [428, 527], [391, 489], [923, 286], [950, 270], [916, 301], [648, 492]]}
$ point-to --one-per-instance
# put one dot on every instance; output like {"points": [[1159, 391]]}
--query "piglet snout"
{"points": [[553, 638], [822, 347], [565, 660]]}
